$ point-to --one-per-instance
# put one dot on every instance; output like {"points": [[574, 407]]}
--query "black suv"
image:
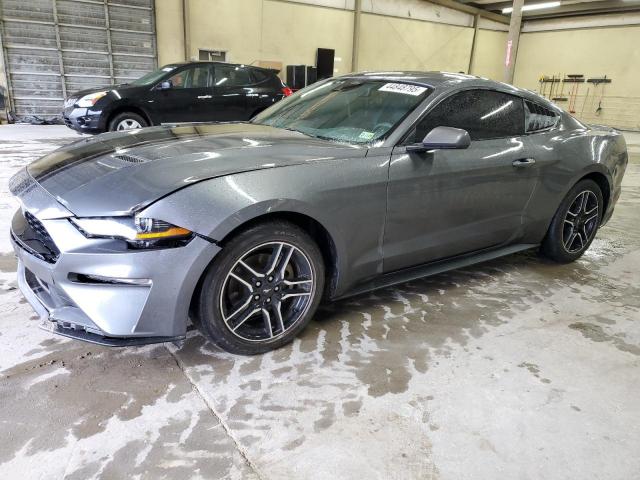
{"points": [[179, 92]]}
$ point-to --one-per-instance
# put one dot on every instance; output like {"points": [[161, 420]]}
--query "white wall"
{"points": [[395, 34], [593, 46]]}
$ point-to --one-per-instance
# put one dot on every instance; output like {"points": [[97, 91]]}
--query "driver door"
{"points": [[443, 203], [190, 97]]}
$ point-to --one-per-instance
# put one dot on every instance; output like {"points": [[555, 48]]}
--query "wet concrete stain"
{"points": [[596, 333], [534, 370], [81, 393]]}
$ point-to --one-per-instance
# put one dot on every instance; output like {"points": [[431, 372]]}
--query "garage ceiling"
{"points": [[566, 7]]}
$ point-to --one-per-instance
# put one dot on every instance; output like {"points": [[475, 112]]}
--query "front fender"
{"points": [[351, 207], [216, 207]]}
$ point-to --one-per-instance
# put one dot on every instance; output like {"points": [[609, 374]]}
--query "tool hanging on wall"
{"points": [[544, 81], [560, 97], [552, 82], [553, 86], [586, 97], [599, 82], [542, 85], [575, 80]]}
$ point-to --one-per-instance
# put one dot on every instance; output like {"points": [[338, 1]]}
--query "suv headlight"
{"points": [[138, 232], [90, 100]]}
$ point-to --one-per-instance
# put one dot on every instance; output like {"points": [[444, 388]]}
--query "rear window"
{"points": [[232, 76], [538, 118], [259, 75]]}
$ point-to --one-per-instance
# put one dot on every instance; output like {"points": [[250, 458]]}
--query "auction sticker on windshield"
{"points": [[404, 88]]}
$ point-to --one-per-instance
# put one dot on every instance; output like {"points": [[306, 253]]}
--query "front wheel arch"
{"points": [[124, 109], [314, 228]]}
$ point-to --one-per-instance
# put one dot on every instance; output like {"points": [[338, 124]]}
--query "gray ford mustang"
{"points": [[351, 184]]}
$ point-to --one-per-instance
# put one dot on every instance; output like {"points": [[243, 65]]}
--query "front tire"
{"points": [[262, 289], [575, 224], [126, 121]]}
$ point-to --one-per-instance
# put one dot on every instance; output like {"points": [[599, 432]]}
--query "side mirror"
{"points": [[165, 85], [442, 138]]}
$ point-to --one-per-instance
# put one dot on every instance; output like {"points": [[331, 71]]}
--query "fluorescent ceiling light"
{"points": [[533, 6]]}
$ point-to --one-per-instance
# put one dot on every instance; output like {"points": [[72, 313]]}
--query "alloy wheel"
{"points": [[267, 291], [128, 124], [580, 222]]}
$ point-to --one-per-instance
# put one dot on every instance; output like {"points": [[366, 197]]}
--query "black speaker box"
{"points": [[324, 62], [312, 75], [295, 76]]}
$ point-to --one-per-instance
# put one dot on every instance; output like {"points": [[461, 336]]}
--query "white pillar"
{"points": [[512, 41]]}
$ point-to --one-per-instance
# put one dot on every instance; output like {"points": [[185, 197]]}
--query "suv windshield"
{"points": [[351, 110], [153, 77]]}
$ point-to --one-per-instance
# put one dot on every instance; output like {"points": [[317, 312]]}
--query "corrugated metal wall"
{"points": [[53, 48]]}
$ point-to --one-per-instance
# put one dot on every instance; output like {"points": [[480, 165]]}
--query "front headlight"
{"points": [[90, 100], [138, 232]]}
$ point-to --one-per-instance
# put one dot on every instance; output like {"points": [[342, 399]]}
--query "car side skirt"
{"points": [[434, 268]]}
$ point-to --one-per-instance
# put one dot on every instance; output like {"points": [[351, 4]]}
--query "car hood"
{"points": [[104, 88], [120, 173]]}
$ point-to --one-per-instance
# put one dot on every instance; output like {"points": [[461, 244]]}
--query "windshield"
{"points": [[153, 77], [348, 110]]}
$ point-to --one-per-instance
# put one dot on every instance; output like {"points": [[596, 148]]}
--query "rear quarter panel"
{"points": [[563, 157]]}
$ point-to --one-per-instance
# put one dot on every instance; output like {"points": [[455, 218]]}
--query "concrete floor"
{"points": [[514, 369]]}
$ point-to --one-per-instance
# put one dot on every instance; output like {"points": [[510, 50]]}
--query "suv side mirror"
{"points": [[165, 85], [442, 138]]}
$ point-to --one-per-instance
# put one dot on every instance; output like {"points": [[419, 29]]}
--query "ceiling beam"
{"points": [[496, 17], [587, 7]]}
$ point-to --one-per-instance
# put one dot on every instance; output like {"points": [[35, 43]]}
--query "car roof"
{"points": [[428, 79], [199, 62]]}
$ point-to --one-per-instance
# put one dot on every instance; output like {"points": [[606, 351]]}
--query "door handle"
{"points": [[524, 162], [204, 96]]}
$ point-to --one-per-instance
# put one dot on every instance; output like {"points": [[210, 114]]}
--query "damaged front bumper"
{"points": [[94, 292]]}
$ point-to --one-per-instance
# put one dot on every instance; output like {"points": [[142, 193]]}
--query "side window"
{"points": [[485, 114], [538, 118], [232, 76], [194, 77]]}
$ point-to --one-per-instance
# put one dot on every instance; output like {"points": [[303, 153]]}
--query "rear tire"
{"points": [[262, 289], [575, 224], [127, 121]]}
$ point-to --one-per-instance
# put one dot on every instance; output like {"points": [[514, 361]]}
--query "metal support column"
{"points": [[186, 30], [512, 41], [357, 12], [155, 34], [56, 26], [4, 64], [109, 47], [472, 55]]}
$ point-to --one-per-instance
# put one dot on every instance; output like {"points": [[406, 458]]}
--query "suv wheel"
{"points": [[262, 289], [126, 121]]}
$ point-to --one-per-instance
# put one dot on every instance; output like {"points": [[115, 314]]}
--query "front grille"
{"points": [[31, 235]]}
